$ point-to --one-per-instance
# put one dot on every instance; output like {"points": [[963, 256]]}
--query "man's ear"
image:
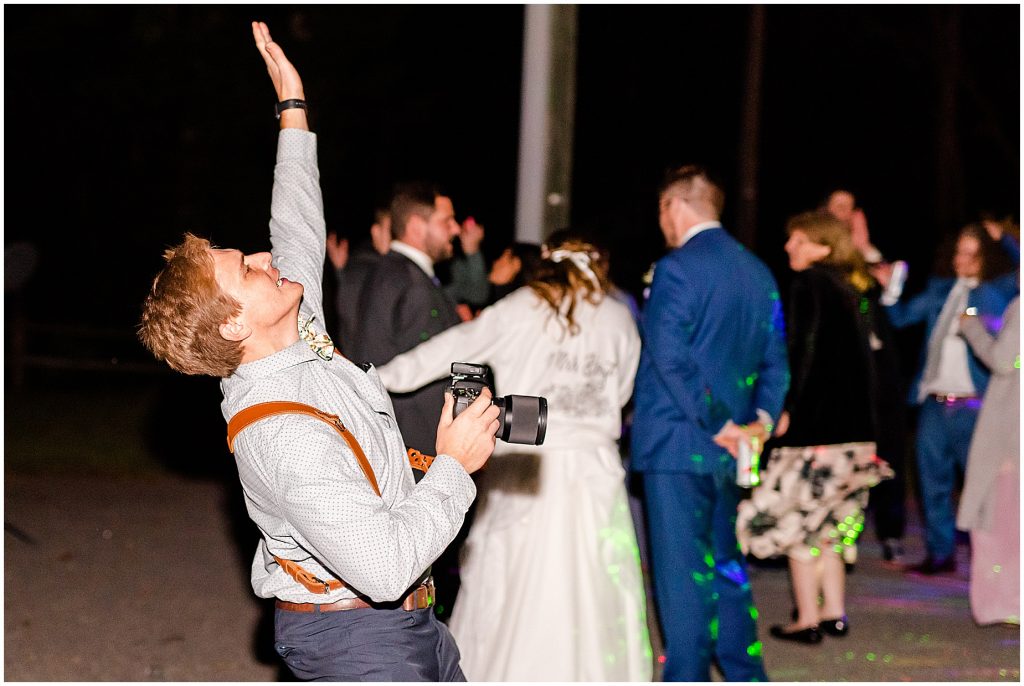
{"points": [[415, 229], [234, 330]]}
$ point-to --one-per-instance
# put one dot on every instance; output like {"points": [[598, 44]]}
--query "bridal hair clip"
{"points": [[581, 260]]}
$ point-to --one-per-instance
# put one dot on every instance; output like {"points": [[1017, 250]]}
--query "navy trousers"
{"points": [[700, 578], [944, 433], [368, 644]]}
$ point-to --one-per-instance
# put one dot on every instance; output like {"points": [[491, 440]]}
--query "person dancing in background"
{"points": [[810, 505], [951, 381], [551, 582]]}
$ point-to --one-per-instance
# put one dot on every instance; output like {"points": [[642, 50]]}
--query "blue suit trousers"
{"points": [[700, 578], [943, 438]]}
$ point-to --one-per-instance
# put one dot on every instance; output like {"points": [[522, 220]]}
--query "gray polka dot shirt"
{"points": [[303, 486]]}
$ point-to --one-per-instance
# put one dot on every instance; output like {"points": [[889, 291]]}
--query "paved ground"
{"points": [[141, 579]]}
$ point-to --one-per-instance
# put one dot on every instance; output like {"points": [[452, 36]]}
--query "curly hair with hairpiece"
{"points": [[562, 279]]}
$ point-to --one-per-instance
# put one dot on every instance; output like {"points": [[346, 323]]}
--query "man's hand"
{"points": [[994, 228], [469, 438], [464, 311], [283, 74], [337, 250], [882, 273], [859, 230], [505, 268], [731, 434], [470, 236], [783, 426], [729, 437]]}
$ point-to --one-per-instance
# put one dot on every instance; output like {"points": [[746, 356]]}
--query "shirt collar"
{"points": [[421, 258], [698, 228], [297, 353], [967, 282]]}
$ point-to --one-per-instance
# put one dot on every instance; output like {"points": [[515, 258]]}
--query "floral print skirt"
{"points": [[810, 499]]}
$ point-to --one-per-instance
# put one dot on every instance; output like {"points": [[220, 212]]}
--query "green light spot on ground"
{"points": [[753, 612], [815, 552], [871, 657], [754, 649], [887, 659], [849, 655], [997, 568]]}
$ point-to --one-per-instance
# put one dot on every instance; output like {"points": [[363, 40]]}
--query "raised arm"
{"points": [[297, 227], [284, 76]]}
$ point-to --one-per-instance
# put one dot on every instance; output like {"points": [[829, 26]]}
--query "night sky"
{"points": [[127, 126]]}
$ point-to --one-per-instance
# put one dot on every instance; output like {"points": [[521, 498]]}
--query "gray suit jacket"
{"points": [[402, 307]]}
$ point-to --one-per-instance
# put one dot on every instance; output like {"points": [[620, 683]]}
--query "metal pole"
{"points": [[547, 115]]}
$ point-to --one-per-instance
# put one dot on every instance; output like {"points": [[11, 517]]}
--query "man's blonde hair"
{"points": [[183, 312]]}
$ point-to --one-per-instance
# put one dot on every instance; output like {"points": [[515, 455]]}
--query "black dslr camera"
{"points": [[521, 418]]}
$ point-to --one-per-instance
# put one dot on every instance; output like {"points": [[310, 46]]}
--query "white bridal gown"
{"points": [[551, 583]]}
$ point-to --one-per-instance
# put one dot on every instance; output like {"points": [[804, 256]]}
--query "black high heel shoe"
{"points": [[835, 627], [811, 635]]}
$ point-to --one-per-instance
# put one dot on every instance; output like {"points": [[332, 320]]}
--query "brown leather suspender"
{"points": [[259, 411]]}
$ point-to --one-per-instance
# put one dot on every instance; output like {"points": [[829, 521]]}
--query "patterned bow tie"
{"points": [[321, 344]]}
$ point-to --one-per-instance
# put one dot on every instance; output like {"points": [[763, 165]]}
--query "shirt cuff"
{"points": [[447, 475]]}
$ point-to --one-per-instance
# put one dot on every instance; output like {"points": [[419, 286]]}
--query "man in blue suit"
{"points": [[951, 380], [713, 370]]}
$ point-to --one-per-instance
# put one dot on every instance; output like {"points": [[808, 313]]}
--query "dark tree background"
{"points": [[127, 125]]}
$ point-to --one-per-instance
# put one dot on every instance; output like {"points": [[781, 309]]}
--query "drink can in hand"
{"points": [[748, 458]]}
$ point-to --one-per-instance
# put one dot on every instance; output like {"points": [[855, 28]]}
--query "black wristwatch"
{"points": [[280, 107]]}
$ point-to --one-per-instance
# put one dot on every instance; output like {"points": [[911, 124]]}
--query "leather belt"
{"points": [[421, 597], [950, 398]]}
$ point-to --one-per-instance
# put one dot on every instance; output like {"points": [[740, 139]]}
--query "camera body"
{"points": [[521, 418]]}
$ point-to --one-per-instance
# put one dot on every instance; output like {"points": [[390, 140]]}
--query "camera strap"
{"points": [[254, 413]]}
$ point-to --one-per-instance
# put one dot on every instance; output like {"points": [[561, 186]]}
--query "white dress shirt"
{"points": [[303, 487], [421, 258]]}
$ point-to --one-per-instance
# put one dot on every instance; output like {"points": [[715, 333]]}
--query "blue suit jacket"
{"points": [[991, 299], [714, 350]]}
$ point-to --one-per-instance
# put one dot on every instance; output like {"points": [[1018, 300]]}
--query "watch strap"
{"points": [[280, 107]]}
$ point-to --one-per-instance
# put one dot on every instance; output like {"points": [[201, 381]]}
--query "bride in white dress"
{"points": [[551, 583]]}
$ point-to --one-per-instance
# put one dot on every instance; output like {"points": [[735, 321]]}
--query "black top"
{"points": [[831, 363]]}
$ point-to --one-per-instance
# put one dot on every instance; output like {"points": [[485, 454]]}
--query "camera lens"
{"points": [[523, 419]]}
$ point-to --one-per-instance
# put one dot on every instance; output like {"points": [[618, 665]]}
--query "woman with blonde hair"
{"points": [[551, 583], [810, 503]]}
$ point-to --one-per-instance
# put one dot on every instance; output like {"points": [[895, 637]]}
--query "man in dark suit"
{"points": [[403, 304], [713, 371], [951, 381]]}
